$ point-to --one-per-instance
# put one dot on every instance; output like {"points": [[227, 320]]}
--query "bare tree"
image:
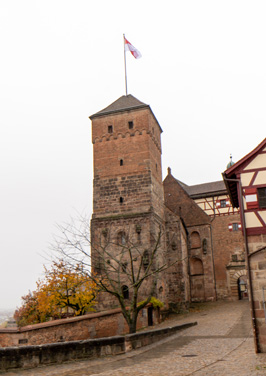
{"points": [[118, 263]]}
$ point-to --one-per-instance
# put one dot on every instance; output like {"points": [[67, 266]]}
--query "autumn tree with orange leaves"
{"points": [[64, 291]]}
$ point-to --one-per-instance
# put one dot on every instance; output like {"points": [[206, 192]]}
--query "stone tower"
{"points": [[127, 187], [126, 141]]}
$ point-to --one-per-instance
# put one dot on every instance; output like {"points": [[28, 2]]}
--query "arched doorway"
{"points": [[242, 287], [238, 282]]}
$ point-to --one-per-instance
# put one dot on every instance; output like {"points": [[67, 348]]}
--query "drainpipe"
{"points": [[241, 203], [214, 276]]}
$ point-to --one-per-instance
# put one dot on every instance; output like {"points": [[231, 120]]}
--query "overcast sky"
{"points": [[202, 71]]}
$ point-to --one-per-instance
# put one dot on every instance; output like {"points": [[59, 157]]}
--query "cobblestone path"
{"points": [[221, 344]]}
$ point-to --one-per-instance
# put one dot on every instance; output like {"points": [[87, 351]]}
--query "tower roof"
{"points": [[231, 163], [126, 102]]}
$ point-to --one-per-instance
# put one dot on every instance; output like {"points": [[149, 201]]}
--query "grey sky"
{"points": [[202, 72]]}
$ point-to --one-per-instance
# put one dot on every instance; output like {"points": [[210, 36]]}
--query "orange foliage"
{"points": [[64, 291]]}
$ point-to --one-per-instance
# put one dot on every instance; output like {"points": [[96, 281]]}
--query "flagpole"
{"points": [[125, 63]]}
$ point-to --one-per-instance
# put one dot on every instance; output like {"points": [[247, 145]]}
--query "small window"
{"points": [[130, 124], [262, 197], [235, 226], [121, 238], [223, 203], [125, 292], [121, 162], [124, 267], [110, 129], [145, 259], [121, 200], [22, 341]]}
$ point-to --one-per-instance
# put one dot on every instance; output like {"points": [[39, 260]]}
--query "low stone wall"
{"points": [[34, 356], [136, 340], [94, 325]]}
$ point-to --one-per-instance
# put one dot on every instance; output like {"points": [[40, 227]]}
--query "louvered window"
{"points": [[262, 197]]}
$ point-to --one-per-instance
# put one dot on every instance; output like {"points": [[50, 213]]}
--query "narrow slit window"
{"points": [[130, 124], [121, 200], [125, 292], [110, 129], [121, 162]]}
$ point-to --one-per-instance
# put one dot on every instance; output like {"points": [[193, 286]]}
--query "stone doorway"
{"points": [[236, 279], [150, 316], [242, 287]]}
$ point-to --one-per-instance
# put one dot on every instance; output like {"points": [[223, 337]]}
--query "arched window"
{"points": [[121, 238], [125, 292], [145, 259], [196, 266], [195, 240]]}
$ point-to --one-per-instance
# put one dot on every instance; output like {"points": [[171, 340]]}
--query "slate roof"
{"points": [[126, 102], [206, 189]]}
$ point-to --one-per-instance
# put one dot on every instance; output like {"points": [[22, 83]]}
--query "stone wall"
{"points": [[95, 325], [226, 244], [175, 288], [140, 233], [198, 223], [202, 281], [34, 356], [257, 249]]}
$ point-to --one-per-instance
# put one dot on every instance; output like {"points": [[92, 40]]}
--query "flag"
{"points": [[132, 49]]}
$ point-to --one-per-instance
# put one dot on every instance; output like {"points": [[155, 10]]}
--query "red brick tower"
{"points": [[127, 160], [127, 187]]}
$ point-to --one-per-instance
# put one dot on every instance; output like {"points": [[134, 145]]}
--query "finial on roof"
{"points": [[169, 171], [231, 163]]}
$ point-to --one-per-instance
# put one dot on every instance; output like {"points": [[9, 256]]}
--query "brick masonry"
{"points": [[198, 224], [226, 244], [94, 325], [128, 192]]}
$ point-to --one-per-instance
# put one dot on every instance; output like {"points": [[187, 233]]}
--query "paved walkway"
{"points": [[221, 344]]}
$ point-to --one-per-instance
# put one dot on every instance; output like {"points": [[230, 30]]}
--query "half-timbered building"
{"points": [[246, 184]]}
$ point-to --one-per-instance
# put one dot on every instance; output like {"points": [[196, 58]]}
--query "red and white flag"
{"points": [[132, 49]]}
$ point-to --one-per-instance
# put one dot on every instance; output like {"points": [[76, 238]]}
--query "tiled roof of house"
{"points": [[205, 189]]}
